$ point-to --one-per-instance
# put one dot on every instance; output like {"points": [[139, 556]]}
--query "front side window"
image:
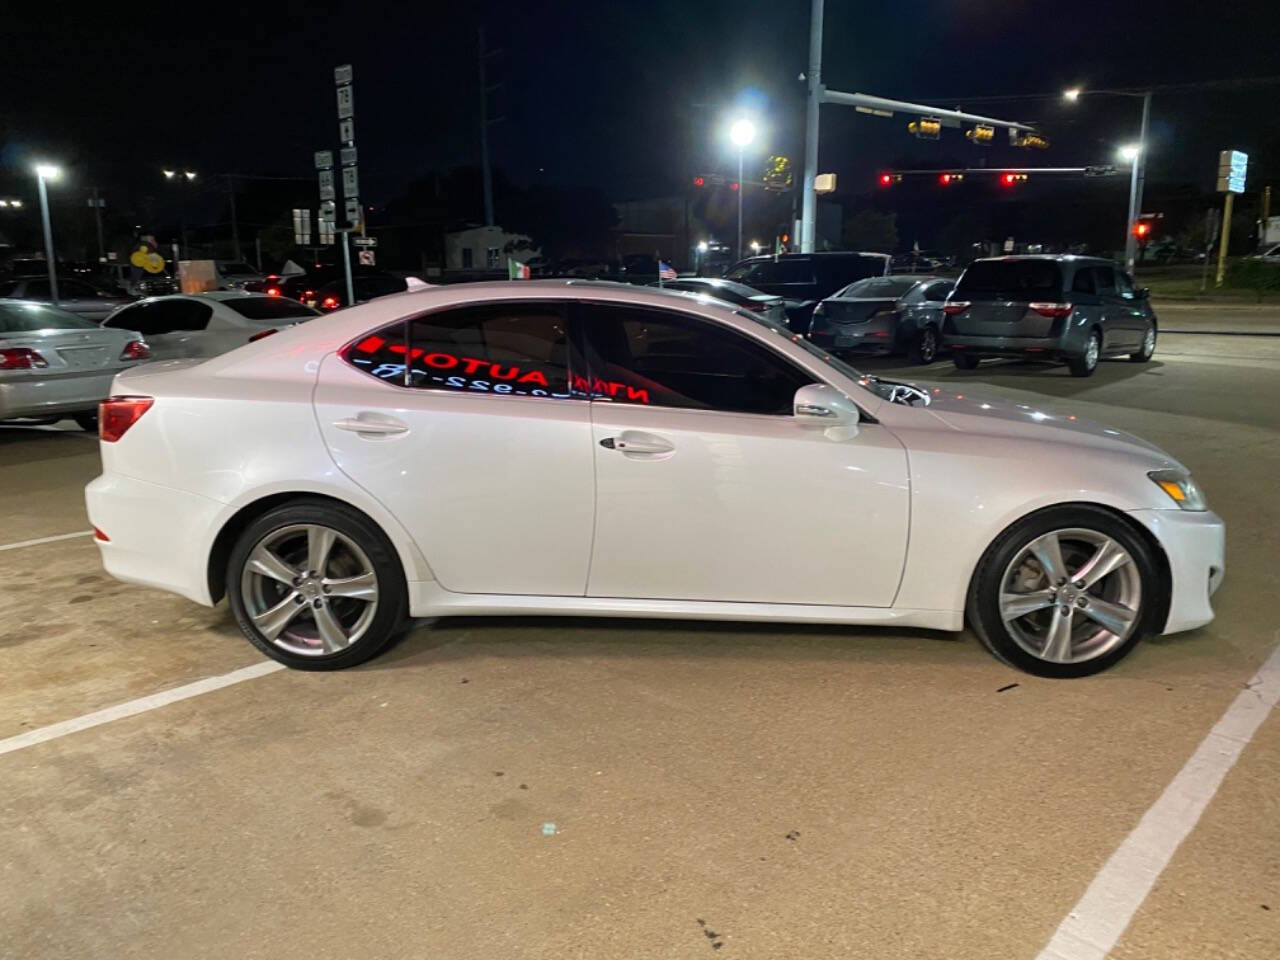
{"points": [[651, 357], [937, 292], [1127, 288], [505, 349]]}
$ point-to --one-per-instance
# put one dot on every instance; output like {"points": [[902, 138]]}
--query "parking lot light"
{"points": [[44, 172], [1129, 152], [1071, 95], [169, 174]]}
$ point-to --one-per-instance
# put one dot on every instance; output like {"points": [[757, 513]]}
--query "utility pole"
{"points": [[810, 206], [1136, 183], [484, 131], [97, 216], [1226, 236], [235, 223]]}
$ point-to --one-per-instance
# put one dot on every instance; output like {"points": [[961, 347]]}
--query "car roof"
{"points": [[1056, 257], [817, 253]]}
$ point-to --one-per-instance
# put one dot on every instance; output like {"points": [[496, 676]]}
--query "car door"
{"points": [[1120, 331], [708, 488], [462, 424], [1133, 305], [172, 326]]}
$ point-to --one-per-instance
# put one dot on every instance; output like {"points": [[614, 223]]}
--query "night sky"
{"points": [[628, 97]]}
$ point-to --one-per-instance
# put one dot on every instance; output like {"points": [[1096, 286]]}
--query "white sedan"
{"points": [[207, 324], [564, 447]]}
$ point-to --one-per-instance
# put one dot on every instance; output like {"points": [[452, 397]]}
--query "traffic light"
{"points": [[1009, 179], [1033, 141], [699, 181], [1142, 230], [889, 179], [926, 128], [982, 134], [734, 185], [946, 179]]}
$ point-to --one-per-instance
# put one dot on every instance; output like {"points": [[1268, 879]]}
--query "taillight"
{"points": [[263, 333], [117, 414], [136, 350], [952, 307], [21, 358], [1051, 309], [273, 291], [329, 303], [99, 535], [308, 294]]}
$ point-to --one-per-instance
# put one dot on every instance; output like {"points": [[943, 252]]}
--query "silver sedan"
{"points": [[53, 364]]}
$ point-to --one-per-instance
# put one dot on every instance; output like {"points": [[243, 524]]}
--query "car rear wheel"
{"points": [[1087, 362], [1148, 346], [966, 361], [1066, 592], [316, 586], [925, 348]]}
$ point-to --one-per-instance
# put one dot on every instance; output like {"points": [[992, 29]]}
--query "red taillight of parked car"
{"points": [[117, 414], [263, 333], [21, 358], [953, 307], [136, 350], [273, 291], [329, 303], [1051, 309]]}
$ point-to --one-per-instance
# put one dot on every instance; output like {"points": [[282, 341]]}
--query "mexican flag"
{"points": [[517, 270]]}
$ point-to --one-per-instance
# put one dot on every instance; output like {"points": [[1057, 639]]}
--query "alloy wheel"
{"points": [[309, 589], [1071, 595], [1091, 352], [928, 345]]}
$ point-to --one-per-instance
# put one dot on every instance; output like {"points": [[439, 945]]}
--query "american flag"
{"points": [[666, 271]]}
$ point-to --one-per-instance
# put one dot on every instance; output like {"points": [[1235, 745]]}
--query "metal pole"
{"points": [[809, 211], [1136, 181], [741, 190], [484, 138], [97, 216], [235, 223], [257, 249], [1226, 235], [346, 267], [48, 240]]}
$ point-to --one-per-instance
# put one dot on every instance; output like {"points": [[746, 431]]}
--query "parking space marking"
{"points": [[1103, 914], [40, 540], [133, 707]]}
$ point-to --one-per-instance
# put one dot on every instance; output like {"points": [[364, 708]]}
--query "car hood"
{"points": [[990, 416]]}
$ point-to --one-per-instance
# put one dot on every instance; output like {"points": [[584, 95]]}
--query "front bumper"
{"points": [[1194, 542]]}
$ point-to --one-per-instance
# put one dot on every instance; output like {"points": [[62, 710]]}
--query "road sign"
{"points": [[324, 159], [350, 183], [365, 241], [1232, 167], [353, 210], [326, 185], [824, 183], [1101, 170], [346, 102], [342, 74], [365, 258], [302, 227], [348, 155], [328, 211], [347, 130]]}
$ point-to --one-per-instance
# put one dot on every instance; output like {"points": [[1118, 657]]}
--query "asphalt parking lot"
{"points": [[557, 788]]}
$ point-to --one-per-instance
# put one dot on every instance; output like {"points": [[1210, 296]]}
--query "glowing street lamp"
{"points": [[1129, 152], [47, 171], [1072, 95]]}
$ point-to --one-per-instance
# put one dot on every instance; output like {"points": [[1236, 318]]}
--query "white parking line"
{"points": [[40, 540], [1097, 922], [133, 707]]}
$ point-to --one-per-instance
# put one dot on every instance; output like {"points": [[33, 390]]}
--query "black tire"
{"points": [[925, 347], [88, 422], [391, 608], [1087, 363], [983, 607], [1148, 348], [965, 361]]}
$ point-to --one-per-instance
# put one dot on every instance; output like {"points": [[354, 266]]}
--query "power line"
{"points": [[1247, 83]]}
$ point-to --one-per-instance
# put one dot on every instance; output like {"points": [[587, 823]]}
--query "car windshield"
{"points": [[880, 288], [1010, 280], [28, 317], [270, 308]]}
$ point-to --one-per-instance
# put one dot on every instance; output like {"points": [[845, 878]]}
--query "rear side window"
{"points": [[506, 349], [1083, 282], [1105, 280], [27, 317], [937, 292], [1010, 280], [657, 358], [162, 316], [269, 308]]}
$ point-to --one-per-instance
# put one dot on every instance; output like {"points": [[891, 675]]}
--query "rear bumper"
{"points": [[873, 336], [1194, 543], [1006, 346], [157, 535], [56, 395]]}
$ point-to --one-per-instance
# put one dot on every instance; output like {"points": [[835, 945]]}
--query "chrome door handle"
{"points": [[635, 441], [367, 425]]}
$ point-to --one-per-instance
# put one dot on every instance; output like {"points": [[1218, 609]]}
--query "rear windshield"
{"points": [[26, 317], [1010, 280], [881, 288], [269, 308]]}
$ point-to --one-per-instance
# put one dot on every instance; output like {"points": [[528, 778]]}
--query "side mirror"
{"points": [[822, 405], [1143, 293]]}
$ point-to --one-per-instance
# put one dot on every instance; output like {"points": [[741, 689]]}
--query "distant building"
{"points": [[482, 250]]}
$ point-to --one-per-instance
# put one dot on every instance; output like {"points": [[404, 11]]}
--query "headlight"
{"points": [[1180, 488]]}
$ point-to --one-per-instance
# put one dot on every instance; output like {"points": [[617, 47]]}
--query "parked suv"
{"points": [[803, 280], [1073, 310]]}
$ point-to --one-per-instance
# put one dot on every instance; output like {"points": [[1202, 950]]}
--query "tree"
{"points": [[869, 230]]}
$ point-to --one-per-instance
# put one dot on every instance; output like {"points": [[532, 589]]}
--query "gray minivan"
{"points": [[1073, 310]]}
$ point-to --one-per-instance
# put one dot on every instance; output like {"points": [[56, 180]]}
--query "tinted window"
{"points": [[773, 271], [937, 292], [883, 288], [1105, 280], [1010, 280], [520, 349], [1083, 282], [163, 316], [653, 357], [1127, 288], [37, 290], [269, 308], [23, 318], [74, 288], [836, 270]]}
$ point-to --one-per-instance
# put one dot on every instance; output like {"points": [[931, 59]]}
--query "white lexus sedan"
{"points": [[573, 447], [207, 324]]}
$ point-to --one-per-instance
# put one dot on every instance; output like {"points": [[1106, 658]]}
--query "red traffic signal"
{"points": [[699, 182], [885, 179], [1009, 179], [1141, 229], [734, 185], [946, 179]]}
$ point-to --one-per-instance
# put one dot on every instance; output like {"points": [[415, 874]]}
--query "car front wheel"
{"points": [[316, 586], [925, 349], [1066, 592]]}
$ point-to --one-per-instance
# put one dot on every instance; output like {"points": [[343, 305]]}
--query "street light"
{"points": [[46, 171], [742, 132], [1137, 155], [171, 173]]}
